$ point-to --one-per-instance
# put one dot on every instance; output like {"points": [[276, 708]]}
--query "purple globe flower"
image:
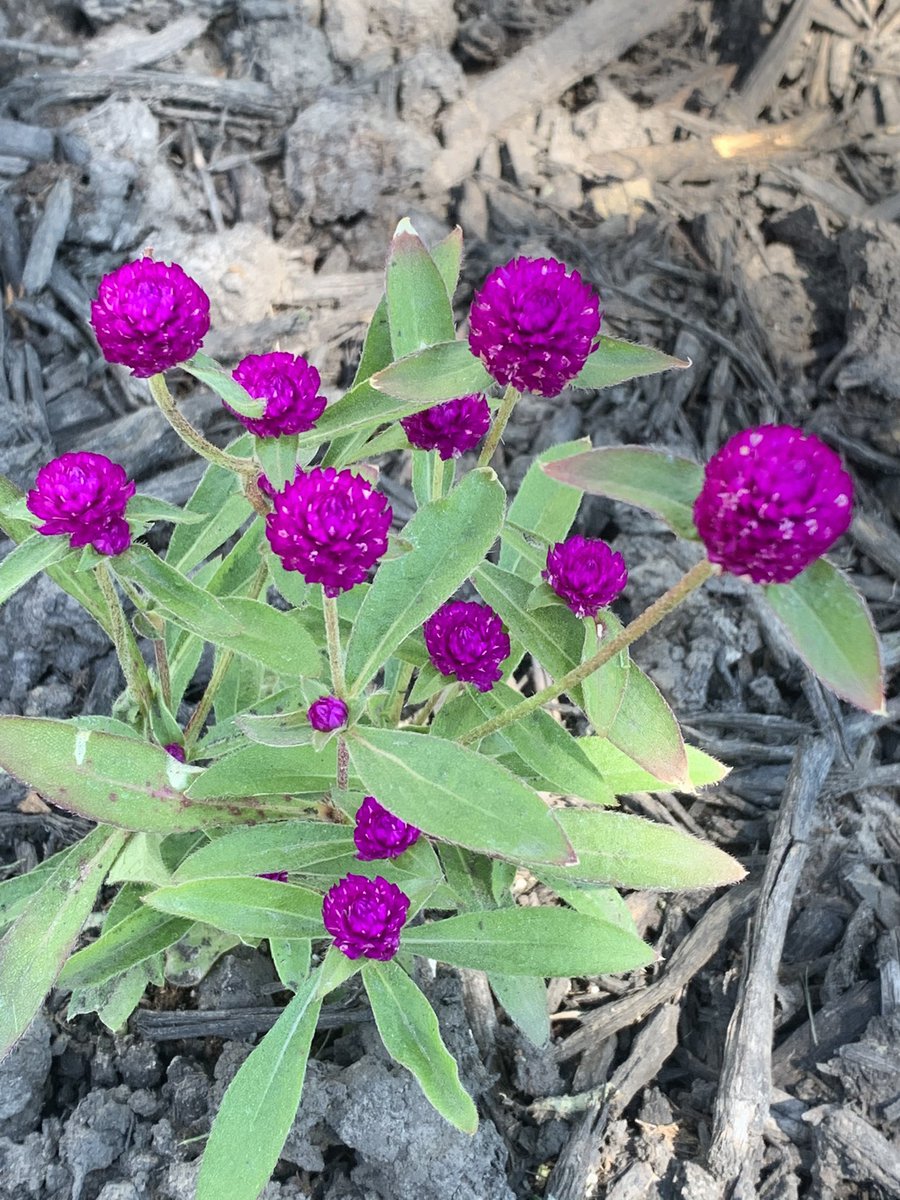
{"points": [[379, 834], [773, 500], [327, 713], [176, 751], [290, 388], [278, 876], [451, 428], [149, 316], [467, 639], [586, 573], [84, 495], [533, 324], [365, 916], [329, 525]]}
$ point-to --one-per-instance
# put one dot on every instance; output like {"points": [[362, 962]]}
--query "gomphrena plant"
{"points": [[362, 779]]}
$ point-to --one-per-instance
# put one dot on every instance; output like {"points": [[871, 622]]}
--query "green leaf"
{"points": [[449, 538], [548, 942], [543, 507], [258, 1108], [277, 729], [192, 957], [140, 861], [601, 903], [646, 730], [116, 780], [250, 627], [128, 944], [148, 508], [552, 753], [447, 255], [292, 959], [409, 1030], [266, 770], [294, 846], [615, 361], [27, 559], [525, 999], [659, 483], [249, 907], [17, 891], [604, 690], [636, 853], [624, 776], [219, 500], [419, 311], [34, 949], [469, 876], [455, 794], [277, 456], [830, 627], [208, 371], [437, 373]]}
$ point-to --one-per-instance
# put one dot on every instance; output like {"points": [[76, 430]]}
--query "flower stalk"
{"points": [[333, 640], [137, 679], [159, 390], [504, 412]]}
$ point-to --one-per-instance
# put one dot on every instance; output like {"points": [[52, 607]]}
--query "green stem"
{"points": [[159, 390], [333, 638], [133, 666], [437, 477], [204, 706], [434, 703], [652, 616], [504, 412], [394, 706]]}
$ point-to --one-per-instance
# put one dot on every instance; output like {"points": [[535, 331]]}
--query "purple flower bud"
{"points": [[774, 499], [451, 428], [278, 876], [533, 324], [379, 834], [84, 495], [365, 916], [586, 573], [329, 525], [327, 713], [467, 639], [290, 388], [149, 316], [176, 751]]}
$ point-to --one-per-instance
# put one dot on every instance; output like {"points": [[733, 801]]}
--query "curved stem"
{"points": [[333, 638], [137, 680], [651, 616], [159, 390], [504, 412]]}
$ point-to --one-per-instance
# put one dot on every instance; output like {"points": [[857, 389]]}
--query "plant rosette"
{"points": [[360, 781]]}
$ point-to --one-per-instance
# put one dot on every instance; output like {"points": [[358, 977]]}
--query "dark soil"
{"points": [[726, 174]]}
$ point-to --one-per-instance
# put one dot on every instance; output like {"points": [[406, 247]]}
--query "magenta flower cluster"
{"points": [[533, 324], [451, 428], [774, 499], [327, 714], [84, 495], [586, 572], [149, 316], [365, 916], [467, 639], [329, 525], [290, 387], [379, 834]]}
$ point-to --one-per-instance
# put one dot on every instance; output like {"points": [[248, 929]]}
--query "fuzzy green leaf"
{"points": [[33, 555], [616, 361], [438, 373], [249, 907]]}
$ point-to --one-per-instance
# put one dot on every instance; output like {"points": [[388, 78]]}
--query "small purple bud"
{"points": [[278, 876], [176, 751], [327, 713], [379, 834], [365, 916]]}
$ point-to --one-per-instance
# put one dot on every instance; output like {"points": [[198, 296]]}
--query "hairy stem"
{"points": [[652, 616], [159, 390], [495, 433], [133, 666], [333, 638]]}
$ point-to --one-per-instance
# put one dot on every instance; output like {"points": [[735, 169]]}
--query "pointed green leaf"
{"points": [[525, 999], [604, 690], [192, 957], [543, 507], [128, 944], [226, 387], [633, 852], [294, 846], [548, 942], [469, 876], [259, 1107], [266, 770], [277, 456], [148, 508], [455, 794], [646, 730], [624, 775], [659, 483], [831, 629], [409, 1030], [419, 311], [35, 947], [27, 559], [17, 891], [292, 959], [615, 361], [447, 255], [116, 780], [449, 538], [249, 907], [430, 376]]}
